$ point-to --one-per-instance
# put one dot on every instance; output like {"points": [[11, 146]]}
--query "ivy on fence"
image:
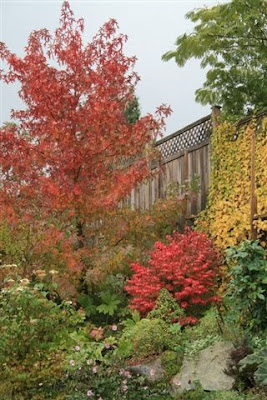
{"points": [[227, 217]]}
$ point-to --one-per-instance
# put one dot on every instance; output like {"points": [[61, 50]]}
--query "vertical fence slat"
{"points": [[180, 163]]}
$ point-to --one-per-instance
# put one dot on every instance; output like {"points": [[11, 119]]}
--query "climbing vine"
{"points": [[227, 217]]}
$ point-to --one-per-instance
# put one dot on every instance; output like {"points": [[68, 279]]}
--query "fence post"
{"points": [[253, 198], [215, 116]]}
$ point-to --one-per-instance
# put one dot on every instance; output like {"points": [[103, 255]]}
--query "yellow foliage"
{"points": [[227, 217]]}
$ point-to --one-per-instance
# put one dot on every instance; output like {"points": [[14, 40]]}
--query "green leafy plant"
{"points": [[248, 287], [109, 383], [200, 394], [234, 78], [34, 334], [110, 303], [202, 335], [131, 322], [259, 360], [87, 303]]}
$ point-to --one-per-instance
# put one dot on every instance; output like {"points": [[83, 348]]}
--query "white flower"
{"points": [[90, 393], [72, 363], [95, 370], [19, 289], [53, 272], [24, 281], [114, 328], [77, 348]]}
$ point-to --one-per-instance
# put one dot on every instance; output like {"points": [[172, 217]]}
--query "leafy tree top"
{"points": [[231, 41], [71, 148]]}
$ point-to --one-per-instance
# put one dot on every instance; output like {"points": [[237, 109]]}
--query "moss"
{"points": [[172, 362]]}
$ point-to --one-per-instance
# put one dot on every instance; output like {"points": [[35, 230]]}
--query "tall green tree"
{"points": [[230, 39], [132, 111]]}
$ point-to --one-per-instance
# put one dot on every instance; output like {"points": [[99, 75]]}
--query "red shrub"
{"points": [[186, 267]]}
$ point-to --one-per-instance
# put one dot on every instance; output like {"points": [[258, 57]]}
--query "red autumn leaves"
{"points": [[186, 267], [68, 152]]}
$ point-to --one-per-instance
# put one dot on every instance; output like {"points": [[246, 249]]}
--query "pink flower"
{"points": [[107, 346], [152, 372], [77, 348], [124, 388], [95, 370], [125, 373], [114, 328], [90, 393]]}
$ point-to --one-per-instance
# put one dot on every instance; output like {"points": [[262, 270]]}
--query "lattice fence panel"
{"points": [[189, 137]]}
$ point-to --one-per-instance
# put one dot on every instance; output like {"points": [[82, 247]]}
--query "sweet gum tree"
{"points": [[72, 151]]}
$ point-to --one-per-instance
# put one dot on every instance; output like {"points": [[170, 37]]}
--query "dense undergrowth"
{"points": [[78, 343]]}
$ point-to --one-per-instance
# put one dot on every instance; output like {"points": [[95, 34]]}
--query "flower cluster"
{"points": [[186, 267]]}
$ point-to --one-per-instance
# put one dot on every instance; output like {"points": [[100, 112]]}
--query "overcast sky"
{"points": [[152, 28]]}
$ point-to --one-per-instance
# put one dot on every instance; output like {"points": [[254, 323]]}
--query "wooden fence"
{"points": [[184, 158]]}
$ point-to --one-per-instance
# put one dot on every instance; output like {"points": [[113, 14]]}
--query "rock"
{"points": [[208, 369], [184, 380], [152, 370]]}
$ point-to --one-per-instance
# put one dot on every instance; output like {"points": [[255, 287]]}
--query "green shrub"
{"points": [[34, 332], [204, 334], [167, 308], [109, 383], [248, 287], [146, 338], [200, 394]]}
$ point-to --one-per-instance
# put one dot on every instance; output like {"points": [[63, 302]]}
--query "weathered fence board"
{"points": [[184, 156]]}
